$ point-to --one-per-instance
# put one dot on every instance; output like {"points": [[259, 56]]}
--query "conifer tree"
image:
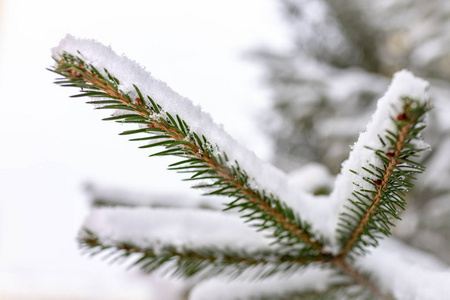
{"points": [[274, 240]]}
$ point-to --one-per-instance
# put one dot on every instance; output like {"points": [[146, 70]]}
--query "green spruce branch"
{"points": [[199, 157], [367, 217], [373, 209], [189, 261]]}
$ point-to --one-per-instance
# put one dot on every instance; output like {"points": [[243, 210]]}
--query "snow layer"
{"points": [[390, 105], [114, 196], [406, 273], [152, 228], [264, 175], [310, 279]]}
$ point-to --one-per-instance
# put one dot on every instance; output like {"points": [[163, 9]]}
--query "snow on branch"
{"points": [[131, 74], [146, 227], [407, 273], [185, 242], [370, 189], [104, 195]]}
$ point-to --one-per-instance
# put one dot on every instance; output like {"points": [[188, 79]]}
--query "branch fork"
{"points": [[293, 235]]}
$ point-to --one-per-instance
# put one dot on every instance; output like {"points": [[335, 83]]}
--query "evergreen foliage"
{"points": [[374, 208], [204, 261], [198, 156], [294, 243]]}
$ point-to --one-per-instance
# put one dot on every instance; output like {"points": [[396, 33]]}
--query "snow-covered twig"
{"points": [[370, 189], [173, 122], [186, 242]]}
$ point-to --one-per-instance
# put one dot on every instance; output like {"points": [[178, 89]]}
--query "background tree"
{"points": [[325, 84]]}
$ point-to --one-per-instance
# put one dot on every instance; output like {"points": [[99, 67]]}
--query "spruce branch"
{"points": [[199, 157], [373, 208], [187, 262]]}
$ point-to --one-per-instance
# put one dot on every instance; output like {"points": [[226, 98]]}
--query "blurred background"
{"points": [[52, 146], [295, 81]]}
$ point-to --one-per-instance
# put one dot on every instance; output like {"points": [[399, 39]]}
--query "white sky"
{"points": [[51, 145]]}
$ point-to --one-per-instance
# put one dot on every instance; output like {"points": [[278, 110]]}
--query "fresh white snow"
{"points": [[110, 195], [407, 273], [310, 279], [191, 228]]}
